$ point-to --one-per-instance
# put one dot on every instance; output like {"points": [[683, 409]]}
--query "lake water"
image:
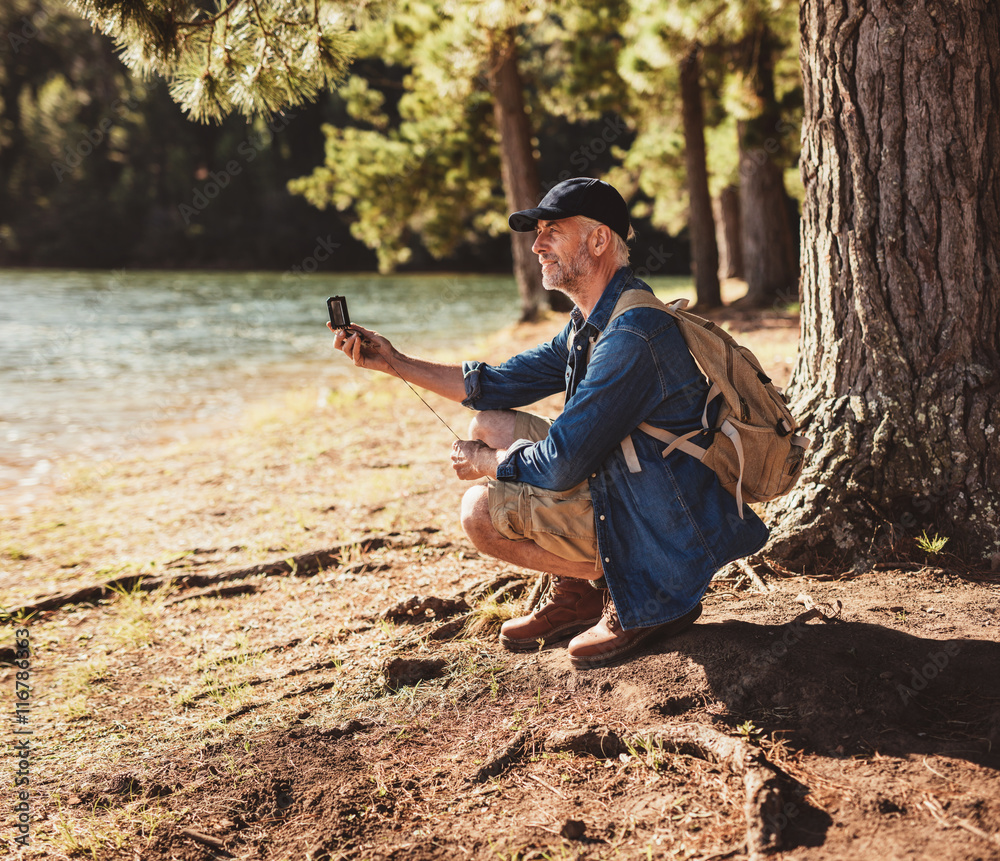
{"points": [[98, 362]]}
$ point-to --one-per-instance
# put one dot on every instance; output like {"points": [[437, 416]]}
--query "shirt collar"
{"points": [[601, 314]]}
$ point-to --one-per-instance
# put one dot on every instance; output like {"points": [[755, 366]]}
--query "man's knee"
{"points": [[493, 427], [476, 513]]}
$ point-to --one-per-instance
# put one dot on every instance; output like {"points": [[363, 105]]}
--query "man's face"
{"points": [[562, 249]]}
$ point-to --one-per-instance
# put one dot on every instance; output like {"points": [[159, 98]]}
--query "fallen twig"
{"points": [[818, 610], [207, 840], [752, 575], [551, 789], [938, 812], [511, 752]]}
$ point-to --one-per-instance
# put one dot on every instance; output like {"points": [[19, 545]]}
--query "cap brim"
{"points": [[527, 219]]}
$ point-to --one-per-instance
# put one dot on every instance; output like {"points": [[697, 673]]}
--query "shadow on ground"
{"points": [[840, 689]]}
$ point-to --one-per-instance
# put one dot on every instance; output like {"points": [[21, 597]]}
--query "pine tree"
{"points": [[898, 374], [248, 56]]}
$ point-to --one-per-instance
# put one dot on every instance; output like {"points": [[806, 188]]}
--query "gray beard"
{"points": [[570, 274]]}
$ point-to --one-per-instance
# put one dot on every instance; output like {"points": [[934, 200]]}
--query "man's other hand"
{"points": [[472, 459]]}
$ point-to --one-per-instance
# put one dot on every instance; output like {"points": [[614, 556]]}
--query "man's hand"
{"points": [[365, 348], [472, 459]]}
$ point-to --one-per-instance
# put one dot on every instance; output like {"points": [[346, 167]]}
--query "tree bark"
{"points": [[898, 374], [729, 233], [769, 258], [704, 251], [518, 170]]}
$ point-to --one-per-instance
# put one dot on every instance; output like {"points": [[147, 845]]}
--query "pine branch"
{"points": [[292, 53]]}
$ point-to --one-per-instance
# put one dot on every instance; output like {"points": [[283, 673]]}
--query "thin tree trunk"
{"points": [[729, 233], [768, 245], [704, 251], [518, 170], [898, 374], [769, 258]]}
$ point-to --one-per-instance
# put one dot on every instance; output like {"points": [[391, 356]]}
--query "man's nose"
{"points": [[538, 245]]}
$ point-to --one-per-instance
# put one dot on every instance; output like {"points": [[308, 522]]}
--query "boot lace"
{"points": [[610, 614]]}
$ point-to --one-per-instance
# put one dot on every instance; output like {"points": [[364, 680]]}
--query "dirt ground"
{"points": [[296, 658]]}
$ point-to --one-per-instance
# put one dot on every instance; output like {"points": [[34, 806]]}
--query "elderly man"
{"points": [[631, 552]]}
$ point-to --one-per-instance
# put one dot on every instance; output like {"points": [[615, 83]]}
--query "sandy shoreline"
{"points": [[308, 463], [46, 461]]}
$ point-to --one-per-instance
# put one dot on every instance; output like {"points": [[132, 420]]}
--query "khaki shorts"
{"points": [[561, 522]]}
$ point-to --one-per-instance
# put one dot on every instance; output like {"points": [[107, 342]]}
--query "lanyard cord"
{"points": [[390, 364]]}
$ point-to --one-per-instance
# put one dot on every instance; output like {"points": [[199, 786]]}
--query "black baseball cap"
{"points": [[581, 195]]}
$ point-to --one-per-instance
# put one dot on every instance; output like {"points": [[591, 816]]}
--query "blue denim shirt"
{"points": [[662, 532]]}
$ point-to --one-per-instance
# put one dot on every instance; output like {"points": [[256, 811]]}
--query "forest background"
{"points": [[402, 166]]}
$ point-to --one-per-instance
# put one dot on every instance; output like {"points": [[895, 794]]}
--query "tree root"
{"points": [[763, 803], [216, 592], [303, 565], [763, 800]]}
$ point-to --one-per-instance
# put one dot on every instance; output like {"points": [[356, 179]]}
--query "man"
{"points": [[631, 553]]}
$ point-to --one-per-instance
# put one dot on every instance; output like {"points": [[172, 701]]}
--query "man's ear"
{"points": [[600, 239]]}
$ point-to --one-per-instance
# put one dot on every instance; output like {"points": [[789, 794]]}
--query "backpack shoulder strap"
{"points": [[634, 298]]}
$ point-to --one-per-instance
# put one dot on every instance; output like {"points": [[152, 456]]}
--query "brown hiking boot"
{"points": [[573, 606], [608, 641]]}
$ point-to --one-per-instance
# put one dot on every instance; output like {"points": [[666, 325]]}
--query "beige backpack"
{"points": [[755, 450]]}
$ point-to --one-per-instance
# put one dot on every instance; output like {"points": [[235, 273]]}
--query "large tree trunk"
{"points": [[769, 258], [518, 170], [729, 233], [898, 375], [704, 251]]}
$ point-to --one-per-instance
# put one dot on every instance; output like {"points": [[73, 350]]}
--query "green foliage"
{"points": [[411, 152], [423, 159], [749, 731], [100, 169], [930, 544], [248, 56], [728, 33]]}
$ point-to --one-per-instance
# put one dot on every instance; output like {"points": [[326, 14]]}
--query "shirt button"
{"points": [[593, 475], [602, 517], [607, 558], [579, 347]]}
